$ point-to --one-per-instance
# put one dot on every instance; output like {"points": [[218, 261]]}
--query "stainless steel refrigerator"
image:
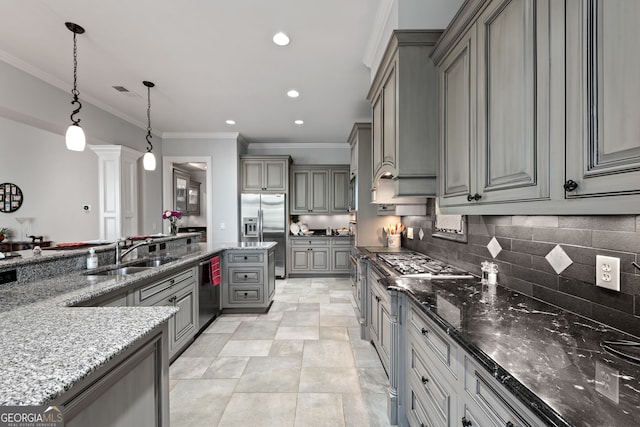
{"points": [[263, 218]]}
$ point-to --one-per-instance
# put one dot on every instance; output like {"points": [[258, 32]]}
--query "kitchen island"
{"points": [[494, 353], [51, 347]]}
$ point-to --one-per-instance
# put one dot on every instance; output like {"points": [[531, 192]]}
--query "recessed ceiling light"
{"points": [[299, 122], [293, 93], [230, 122], [281, 39]]}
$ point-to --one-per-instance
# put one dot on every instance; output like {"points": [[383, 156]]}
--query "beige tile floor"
{"points": [[301, 364]]}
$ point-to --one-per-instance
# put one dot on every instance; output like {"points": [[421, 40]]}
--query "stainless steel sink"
{"points": [[154, 262], [121, 271]]}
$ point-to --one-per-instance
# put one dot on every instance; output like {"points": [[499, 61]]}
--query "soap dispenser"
{"points": [[92, 259]]}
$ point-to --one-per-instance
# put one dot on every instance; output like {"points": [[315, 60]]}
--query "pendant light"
{"points": [[74, 137], [149, 160]]}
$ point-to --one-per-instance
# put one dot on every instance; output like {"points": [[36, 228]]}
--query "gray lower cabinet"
{"points": [[319, 255], [442, 385], [379, 319], [178, 289], [249, 280], [130, 390]]}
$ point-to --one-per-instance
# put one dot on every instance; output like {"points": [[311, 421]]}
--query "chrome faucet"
{"points": [[121, 254]]}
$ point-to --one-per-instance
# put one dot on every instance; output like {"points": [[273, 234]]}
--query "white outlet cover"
{"points": [[608, 272], [410, 233]]}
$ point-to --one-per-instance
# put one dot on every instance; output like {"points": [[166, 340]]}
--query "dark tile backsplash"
{"points": [[526, 240]]}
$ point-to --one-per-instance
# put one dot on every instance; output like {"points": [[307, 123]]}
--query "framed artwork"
{"points": [[10, 197]]}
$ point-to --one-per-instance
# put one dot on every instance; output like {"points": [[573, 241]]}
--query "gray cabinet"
{"points": [[310, 191], [495, 148], [603, 98], [264, 174], [136, 382], [403, 98], [319, 256], [177, 289], [249, 280], [379, 319], [320, 189]]}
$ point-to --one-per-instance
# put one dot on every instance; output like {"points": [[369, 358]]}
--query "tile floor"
{"points": [[301, 364]]}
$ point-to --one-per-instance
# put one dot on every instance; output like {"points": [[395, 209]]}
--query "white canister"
{"points": [[393, 240]]}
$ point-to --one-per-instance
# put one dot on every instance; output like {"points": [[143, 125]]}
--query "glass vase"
{"points": [[174, 228]]}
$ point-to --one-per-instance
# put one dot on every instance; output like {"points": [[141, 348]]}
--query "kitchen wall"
{"points": [[307, 154], [222, 189], [526, 240], [34, 118]]}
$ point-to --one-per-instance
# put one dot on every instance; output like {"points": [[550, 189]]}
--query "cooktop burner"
{"points": [[414, 264]]}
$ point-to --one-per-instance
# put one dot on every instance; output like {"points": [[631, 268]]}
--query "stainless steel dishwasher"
{"points": [[209, 292]]}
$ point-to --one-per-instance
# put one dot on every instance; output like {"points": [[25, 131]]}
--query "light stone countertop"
{"points": [[47, 346]]}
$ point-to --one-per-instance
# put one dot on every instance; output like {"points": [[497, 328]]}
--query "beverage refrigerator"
{"points": [[263, 219]]}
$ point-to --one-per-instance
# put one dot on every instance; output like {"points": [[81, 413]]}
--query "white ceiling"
{"points": [[211, 60]]}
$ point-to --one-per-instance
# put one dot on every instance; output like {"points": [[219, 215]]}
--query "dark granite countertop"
{"points": [[550, 359]]}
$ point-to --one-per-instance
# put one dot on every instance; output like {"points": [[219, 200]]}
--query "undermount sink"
{"points": [[154, 262], [121, 271], [133, 267]]}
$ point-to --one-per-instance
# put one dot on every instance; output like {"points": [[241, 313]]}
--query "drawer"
{"points": [[492, 398], [340, 241], [240, 295], [245, 257], [416, 411], [309, 242], [435, 394], [242, 276], [155, 291], [436, 345]]}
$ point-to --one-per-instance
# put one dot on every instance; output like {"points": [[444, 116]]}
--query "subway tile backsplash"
{"points": [[526, 241]]}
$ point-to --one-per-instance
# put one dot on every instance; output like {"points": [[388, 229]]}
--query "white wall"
{"points": [[38, 115], [307, 154], [222, 188]]}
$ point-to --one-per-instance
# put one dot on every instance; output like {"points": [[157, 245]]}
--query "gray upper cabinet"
{"points": [[403, 98], [264, 174], [320, 189], [494, 108], [603, 98]]}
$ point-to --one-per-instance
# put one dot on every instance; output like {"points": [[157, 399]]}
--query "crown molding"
{"points": [[375, 39], [64, 86], [199, 135], [285, 145]]}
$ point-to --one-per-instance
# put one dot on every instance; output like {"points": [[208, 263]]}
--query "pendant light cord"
{"points": [[149, 136], [74, 91]]}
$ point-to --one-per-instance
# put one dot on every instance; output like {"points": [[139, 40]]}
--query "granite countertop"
{"points": [[41, 329], [549, 358]]}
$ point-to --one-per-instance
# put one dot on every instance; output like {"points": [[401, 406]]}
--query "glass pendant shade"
{"points": [[149, 161], [75, 138]]}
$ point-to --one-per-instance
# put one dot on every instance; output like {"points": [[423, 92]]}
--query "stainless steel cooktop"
{"points": [[414, 264]]}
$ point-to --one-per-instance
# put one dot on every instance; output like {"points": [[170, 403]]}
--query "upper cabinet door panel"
{"points": [[456, 83], [376, 151], [252, 172], [275, 175], [389, 120], [319, 194], [513, 86], [603, 97], [300, 190]]}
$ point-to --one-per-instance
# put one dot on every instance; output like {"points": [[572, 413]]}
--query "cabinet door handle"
{"points": [[570, 185], [172, 281], [469, 197], [477, 197], [466, 422], [509, 424], [424, 331], [424, 380]]}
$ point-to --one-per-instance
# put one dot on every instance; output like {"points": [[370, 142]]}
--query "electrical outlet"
{"points": [[410, 233], [608, 272], [607, 383]]}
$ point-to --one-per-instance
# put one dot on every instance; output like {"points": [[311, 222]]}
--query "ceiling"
{"points": [[210, 60]]}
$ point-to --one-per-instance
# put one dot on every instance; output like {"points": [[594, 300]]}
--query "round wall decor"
{"points": [[10, 197]]}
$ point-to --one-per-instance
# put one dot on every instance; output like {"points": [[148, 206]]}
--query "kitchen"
{"points": [[569, 222]]}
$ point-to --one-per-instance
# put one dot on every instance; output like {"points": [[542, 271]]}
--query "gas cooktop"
{"points": [[414, 264]]}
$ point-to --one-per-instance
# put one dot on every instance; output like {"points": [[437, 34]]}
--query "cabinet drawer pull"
{"points": [[466, 422], [570, 185], [424, 331], [172, 281], [246, 294], [509, 424], [424, 380], [245, 258], [475, 197], [245, 276]]}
